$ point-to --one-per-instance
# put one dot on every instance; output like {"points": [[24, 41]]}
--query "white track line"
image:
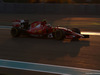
{"points": [[51, 65], [5, 27], [63, 70]]}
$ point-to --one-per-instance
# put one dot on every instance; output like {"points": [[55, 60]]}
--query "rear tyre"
{"points": [[15, 32], [59, 35]]}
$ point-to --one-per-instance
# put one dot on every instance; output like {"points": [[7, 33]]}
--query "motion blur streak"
{"points": [[91, 33]]}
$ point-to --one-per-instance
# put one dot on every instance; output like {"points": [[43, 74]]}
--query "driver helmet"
{"points": [[44, 22]]}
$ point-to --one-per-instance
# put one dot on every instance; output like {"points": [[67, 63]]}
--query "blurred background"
{"points": [[53, 1], [58, 12]]}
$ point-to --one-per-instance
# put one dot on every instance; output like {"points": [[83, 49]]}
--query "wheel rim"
{"points": [[58, 35]]}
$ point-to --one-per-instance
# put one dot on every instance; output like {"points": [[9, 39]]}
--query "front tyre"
{"points": [[15, 32], [76, 30], [59, 35]]}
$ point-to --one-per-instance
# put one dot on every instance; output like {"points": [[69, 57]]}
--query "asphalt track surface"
{"points": [[82, 54]]}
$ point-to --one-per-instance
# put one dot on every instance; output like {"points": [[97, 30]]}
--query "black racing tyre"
{"points": [[15, 32], [76, 30], [59, 34]]}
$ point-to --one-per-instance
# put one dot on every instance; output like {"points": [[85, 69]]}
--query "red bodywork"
{"points": [[42, 28], [70, 34], [39, 28]]}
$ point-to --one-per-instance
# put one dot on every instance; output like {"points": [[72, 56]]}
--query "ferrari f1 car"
{"points": [[43, 29]]}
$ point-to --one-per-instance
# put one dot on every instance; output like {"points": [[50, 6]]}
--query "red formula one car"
{"points": [[42, 29]]}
